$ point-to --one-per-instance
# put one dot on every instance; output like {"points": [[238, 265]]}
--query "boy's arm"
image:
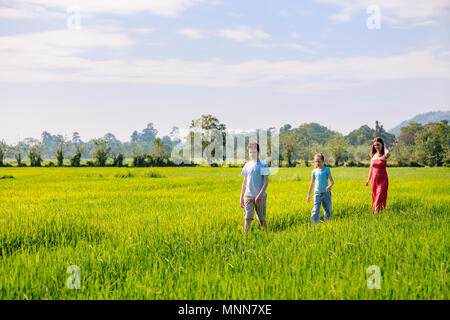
{"points": [[310, 188], [244, 185], [263, 189], [328, 188]]}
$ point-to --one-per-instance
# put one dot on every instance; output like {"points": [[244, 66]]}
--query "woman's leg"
{"points": [[373, 188], [380, 200]]}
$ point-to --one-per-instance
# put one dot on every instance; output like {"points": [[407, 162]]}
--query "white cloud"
{"points": [[193, 33], [417, 24], [251, 36], [301, 48], [159, 7], [392, 11], [69, 41], [244, 34], [56, 56], [25, 11], [52, 55]]}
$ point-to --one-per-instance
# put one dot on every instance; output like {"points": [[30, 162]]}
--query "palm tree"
{"points": [[3, 151], [158, 147]]}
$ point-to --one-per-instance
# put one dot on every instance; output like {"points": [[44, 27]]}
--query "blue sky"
{"points": [[254, 64]]}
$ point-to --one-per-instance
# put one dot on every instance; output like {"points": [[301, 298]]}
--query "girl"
{"points": [[322, 191], [378, 176]]}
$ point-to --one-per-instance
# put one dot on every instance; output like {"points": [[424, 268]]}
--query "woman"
{"points": [[378, 176]]}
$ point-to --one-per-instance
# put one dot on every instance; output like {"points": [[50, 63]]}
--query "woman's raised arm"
{"points": [[370, 174], [387, 153]]}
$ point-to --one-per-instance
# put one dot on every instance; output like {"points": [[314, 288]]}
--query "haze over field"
{"points": [[113, 66]]}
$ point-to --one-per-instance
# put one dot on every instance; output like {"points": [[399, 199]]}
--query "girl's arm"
{"points": [[310, 189], [263, 189], [328, 188], [244, 185]]}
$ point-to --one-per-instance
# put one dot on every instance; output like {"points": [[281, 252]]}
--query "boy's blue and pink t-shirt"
{"points": [[321, 176]]}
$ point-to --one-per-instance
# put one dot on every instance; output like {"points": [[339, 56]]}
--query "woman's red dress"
{"points": [[379, 184]]}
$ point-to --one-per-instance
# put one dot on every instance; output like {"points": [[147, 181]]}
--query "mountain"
{"points": [[423, 118]]}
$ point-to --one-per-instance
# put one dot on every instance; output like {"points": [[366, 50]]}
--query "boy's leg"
{"points": [[247, 225], [263, 225], [316, 208], [327, 206], [249, 208], [261, 212]]}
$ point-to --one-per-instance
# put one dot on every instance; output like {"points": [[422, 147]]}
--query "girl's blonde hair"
{"points": [[320, 155]]}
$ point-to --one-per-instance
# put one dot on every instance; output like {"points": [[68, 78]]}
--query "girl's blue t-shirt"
{"points": [[321, 176]]}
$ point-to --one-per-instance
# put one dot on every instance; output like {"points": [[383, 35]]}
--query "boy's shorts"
{"points": [[250, 206]]}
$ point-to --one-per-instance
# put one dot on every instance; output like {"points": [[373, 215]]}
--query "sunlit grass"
{"points": [[176, 233]]}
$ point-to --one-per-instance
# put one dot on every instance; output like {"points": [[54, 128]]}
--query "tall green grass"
{"points": [[180, 236]]}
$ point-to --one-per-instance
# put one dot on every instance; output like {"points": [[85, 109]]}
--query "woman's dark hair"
{"points": [[372, 148]]}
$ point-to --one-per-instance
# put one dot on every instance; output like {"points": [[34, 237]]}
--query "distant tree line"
{"points": [[423, 145], [104, 151], [417, 145]]}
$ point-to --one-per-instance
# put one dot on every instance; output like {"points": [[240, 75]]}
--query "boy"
{"points": [[253, 193]]}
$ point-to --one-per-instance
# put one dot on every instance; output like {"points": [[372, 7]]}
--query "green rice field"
{"points": [[177, 233]]}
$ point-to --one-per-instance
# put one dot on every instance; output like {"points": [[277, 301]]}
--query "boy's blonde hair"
{"points": [[320, 155]]}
